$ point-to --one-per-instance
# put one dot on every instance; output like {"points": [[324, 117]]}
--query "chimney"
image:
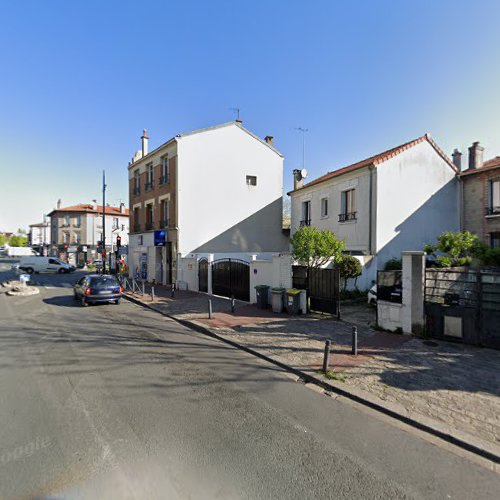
{"points": [[269, 139], [298, 180], [94, 204], [239, 122], [145, 143], [475, 155], [122, 208], [58, 203], [457, 159]]}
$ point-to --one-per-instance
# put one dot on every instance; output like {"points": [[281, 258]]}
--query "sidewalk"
{"points": [[453, 387]]}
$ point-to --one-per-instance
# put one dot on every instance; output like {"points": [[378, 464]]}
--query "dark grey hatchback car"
{"points": [[97, 288]]}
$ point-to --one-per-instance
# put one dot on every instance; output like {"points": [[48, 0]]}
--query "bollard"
{"points": [[143, 288], [209, 309], [172, 294], [152, 294], [326, 357], [233, 303], [354, 340]]}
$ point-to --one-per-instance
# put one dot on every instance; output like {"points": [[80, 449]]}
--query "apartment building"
{"points": [[77, 230], [211, 193], [39, 237]]}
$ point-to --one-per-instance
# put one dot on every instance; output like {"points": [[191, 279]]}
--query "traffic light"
{"points": [[118, 241]]}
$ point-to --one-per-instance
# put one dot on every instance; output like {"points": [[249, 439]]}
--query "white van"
{"points": [[37, 264]]}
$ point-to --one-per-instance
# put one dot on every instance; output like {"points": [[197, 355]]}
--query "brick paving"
{"points": [[454, 384]]}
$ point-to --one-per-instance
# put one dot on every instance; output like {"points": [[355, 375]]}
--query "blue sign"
{"points": [[160, 238]]}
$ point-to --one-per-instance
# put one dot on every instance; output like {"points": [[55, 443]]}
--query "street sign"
{"points": [[160, 238]]}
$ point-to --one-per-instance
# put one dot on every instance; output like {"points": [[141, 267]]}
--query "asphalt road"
{"points": [[119, 402]]}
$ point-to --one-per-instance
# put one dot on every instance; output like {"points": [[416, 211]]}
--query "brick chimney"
{"points": [[145, 143], [122, 208], [269, 139], [475, 155], [457, 159], [58, 203], [298, 180]]}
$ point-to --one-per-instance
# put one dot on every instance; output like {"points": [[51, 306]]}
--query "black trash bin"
{"points": [[262, 292], [293, 301]]}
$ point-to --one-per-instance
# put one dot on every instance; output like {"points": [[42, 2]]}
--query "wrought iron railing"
{"points": [[164, 179], [149, 186], [347, 216], [492, 210], [164, 223], [137, 190]]}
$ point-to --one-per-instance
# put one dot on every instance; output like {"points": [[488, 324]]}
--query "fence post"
{"points": [[232, 304], [355, 340], [326, 357], [209, 309], [143, 288], [152, 294], [172, 293]]}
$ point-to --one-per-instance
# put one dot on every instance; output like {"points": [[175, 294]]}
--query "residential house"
{"points": [[77, 230], [481, 196], [39, 237], [213, 193], [397, 200]]}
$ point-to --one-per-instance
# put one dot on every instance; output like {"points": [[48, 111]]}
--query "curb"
{"points": [[463, 441]]}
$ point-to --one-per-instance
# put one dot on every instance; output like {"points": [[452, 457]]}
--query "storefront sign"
{"points": [[160, 238]]}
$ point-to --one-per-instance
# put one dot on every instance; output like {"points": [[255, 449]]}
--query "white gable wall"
{"points": [[417, 199], [214, 199]]}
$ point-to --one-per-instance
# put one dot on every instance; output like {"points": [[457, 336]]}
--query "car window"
{"points": [[103, 282], [53, 261]]}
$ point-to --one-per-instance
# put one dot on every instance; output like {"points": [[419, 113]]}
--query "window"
{"points": [[140, 240], [251, 180], [324, 207], [347, 206], [78, 238], [495, 240], [164, 170], [149, 177], [66, 220], [164, 213], [137, 182], [149, 216], [137, 225], [66, 237], [115, 223], [306, 213], [494, 207]]}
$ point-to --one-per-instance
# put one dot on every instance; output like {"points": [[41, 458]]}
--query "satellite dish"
{"points": [[303, 173]]}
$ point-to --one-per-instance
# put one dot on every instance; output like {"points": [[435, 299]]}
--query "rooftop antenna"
{"points": [[237, 111], [303, 132]]}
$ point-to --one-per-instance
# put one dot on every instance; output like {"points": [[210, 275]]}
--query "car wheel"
{"points": [[75, 296], [60, 271], [83, 302], [29, 270], [117, 301]]}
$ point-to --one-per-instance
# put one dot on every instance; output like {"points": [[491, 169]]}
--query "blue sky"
{"points": [[81, 79]]}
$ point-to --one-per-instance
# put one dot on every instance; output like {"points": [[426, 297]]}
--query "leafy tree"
{"points": [[18, 241], [393, 264], [488, 256], [312, 247], [454, 248], [3, 239], [350, 267]]}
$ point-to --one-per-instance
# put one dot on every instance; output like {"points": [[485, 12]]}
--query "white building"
{"points": [[215, 193], [397, 200], [39, 236]]}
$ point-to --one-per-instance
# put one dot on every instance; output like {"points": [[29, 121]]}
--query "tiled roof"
{"points": [[88, 208], [381, 157], [487, 165]]}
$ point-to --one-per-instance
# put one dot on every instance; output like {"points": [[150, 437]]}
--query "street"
{"points": [[117, 401]]}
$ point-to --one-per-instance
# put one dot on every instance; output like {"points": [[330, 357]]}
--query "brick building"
{"points": [[481, 196]]}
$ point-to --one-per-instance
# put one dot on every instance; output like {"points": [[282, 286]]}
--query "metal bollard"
{"points": [[143, 288], [326, 357], [172, 293], [209, 309], [354, 340], [152, 294], [233, 304]]}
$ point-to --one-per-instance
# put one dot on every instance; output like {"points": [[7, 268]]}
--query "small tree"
{"points": [[393, 264], [312, 247], [18, 241], [453, 248], [350, 267], [3, 239]]}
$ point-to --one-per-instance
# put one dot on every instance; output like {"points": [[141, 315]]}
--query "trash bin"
{"points": [[277, 295], [293, 301], [262, 292]]}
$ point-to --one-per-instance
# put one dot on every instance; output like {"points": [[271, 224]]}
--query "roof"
{"points": [[89, 208], [206, 129], [380, 158], [40, 224], [488, 165]]}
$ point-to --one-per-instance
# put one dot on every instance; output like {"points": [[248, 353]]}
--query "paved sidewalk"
{"points": [[455, 385]]}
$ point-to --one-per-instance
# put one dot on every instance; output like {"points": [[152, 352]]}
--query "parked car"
{"points": [[37, 263], [97, 288]]}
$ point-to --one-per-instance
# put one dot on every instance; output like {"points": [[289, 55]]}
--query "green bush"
{"points": [[487, 256], [349, 267], [453, 248], [393, 264]]}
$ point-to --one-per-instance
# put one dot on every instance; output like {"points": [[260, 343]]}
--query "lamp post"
{"points": [[44, 234], [103, 222]]}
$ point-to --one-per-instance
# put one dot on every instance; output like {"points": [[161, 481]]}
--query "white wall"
{"points": [[261, 273], [213, 196], [417, 199]]}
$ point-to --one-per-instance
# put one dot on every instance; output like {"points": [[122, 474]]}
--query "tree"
{"points": [[3, 239], [350, 267], [454, 248], [393, 264], [312, 247], [18, 241]]}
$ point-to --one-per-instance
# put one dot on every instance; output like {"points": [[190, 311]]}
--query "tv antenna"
{"points": [[237, 112], [303, 132]]}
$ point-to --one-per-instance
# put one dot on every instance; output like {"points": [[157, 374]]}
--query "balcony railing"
{"points": [[149, 225], [164, 179], [164, 223], [137, 190], [492, 210], [137, 228], [347, 216], [149, 186], [305, 222]]}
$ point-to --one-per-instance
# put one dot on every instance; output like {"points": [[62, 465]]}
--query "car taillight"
{"points": [[121, 289], [87, 291]]}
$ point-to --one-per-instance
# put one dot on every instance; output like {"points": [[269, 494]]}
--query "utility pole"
{"points": [[44, 234], [103, 222], [303, 132]]}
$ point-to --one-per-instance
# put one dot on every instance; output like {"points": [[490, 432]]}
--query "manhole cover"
{"points": [[430, 343]]}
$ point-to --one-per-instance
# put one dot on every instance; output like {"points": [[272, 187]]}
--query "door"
{"points": [[231, 278], [203, 275]]}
